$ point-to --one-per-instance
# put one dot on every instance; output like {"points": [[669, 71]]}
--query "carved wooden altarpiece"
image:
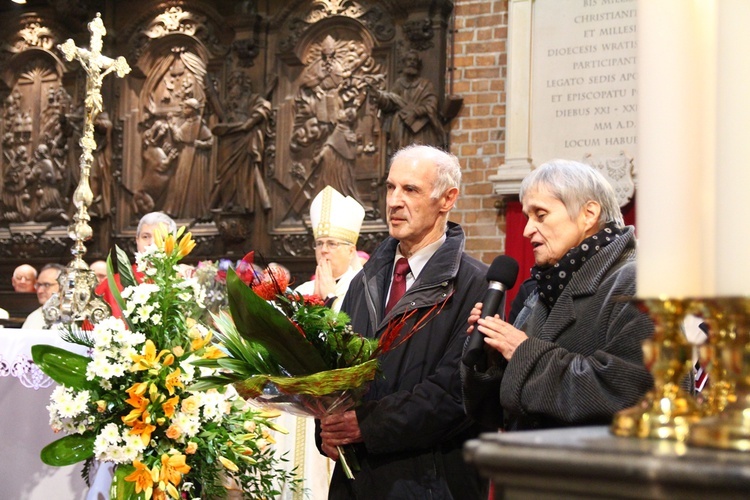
{"points": [[235, 115]]}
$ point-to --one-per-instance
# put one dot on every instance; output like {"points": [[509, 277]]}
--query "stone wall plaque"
{"points": [[578, 59]]}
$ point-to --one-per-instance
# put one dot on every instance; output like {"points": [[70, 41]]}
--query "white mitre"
{"points": [[334, 216]]}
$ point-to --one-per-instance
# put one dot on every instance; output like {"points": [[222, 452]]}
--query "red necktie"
{"points": [[398, 286]]}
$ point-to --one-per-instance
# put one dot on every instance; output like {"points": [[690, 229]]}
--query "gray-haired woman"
{"points": [[573, 355]]}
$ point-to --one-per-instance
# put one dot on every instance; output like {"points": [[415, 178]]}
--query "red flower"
{"points": [[313, 300]]}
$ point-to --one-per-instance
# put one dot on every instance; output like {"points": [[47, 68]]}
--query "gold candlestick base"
{"points": [[728, 351], [667, 411]]}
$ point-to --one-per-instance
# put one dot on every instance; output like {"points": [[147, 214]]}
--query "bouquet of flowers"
{"points": [[131, 402], [293, 353]]}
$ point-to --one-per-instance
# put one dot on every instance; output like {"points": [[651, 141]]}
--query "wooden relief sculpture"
{"points": [[412, 107], [177, 142], [334, 123], [36, 128], [242, 133]]}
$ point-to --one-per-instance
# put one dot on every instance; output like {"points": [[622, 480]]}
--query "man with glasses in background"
{"points": [[336, 221], [46, 285]]}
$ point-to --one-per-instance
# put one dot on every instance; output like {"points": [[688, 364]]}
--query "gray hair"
{"points": [[154, 218], [60, 268], [447, 167], [575, 184]]}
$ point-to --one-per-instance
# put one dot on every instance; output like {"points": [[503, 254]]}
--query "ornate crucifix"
{"points": [[77, 300]]}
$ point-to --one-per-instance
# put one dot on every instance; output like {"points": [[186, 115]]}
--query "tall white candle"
{"points": [[675, 144], [733, 148]]}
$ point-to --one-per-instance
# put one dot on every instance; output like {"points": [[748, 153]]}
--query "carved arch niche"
{"points": [[328, 128], [174, 50], [35, 178]]}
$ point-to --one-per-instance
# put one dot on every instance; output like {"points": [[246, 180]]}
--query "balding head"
{"points": [[24, 278]]}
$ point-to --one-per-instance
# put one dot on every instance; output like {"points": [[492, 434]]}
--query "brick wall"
{"points": [[478, 133]]}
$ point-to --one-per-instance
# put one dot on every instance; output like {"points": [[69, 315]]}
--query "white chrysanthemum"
{"points": [[156, 319], [110, 433], [187, 369], [144, 312], [99, 367], [192, 427], [142, 292], [150, 271]]}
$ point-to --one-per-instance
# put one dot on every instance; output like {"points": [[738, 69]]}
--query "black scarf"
{"points": [[552, 280]]}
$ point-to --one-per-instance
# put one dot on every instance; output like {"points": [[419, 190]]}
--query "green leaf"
{"points": [[123, 267], [69, 450], [258, 321], [64, 367], [121, 489], [112, 284]]}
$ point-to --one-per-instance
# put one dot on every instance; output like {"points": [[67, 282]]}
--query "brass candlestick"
{"points": [[77, 301], [728, 351], [666, 411]]}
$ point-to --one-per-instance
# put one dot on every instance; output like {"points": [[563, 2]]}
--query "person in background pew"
{"points": [[46, 285], [24, 277]]}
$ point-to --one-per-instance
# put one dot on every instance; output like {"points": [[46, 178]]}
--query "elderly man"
{"points": [[45, 286], [144, 236], [409, 431], [24, 277]]}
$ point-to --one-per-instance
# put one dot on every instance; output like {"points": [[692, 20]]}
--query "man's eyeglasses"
{"points": [[332, 245], [38, 286]]}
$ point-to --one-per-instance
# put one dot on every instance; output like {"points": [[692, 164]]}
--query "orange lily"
{"points": [[172, 468], [228, 464], [142, 477], [170, 405], [149, 359], [186, 245], [213, 352], [172, 381], [142, 429]]}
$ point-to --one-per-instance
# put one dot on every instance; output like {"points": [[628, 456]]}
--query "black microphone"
{"points": [[501, 276]]}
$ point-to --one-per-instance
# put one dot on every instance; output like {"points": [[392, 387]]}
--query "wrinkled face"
{"points": [[146, 236], [414, 217], [337, 252], [549, 227], [47, 284], [23, 279]]}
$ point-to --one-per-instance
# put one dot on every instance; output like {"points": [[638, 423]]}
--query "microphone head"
{"points": [[504, 269]]}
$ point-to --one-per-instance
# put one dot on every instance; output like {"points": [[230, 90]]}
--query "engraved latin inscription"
{"points": [[584, 91]]}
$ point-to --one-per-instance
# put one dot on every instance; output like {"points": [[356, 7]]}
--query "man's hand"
{"points": [[339, 430], [325, 284]]}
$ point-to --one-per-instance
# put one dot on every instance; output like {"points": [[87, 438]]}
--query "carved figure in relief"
{"points": [[101, 167], [413, 104], [337, 80], [173, 79], [241, 148], [337, 160], [187, 196], [15, 193], [158, 155], [47, 203]]}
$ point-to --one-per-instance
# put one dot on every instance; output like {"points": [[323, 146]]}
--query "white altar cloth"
{"points": [[24, 422]]}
